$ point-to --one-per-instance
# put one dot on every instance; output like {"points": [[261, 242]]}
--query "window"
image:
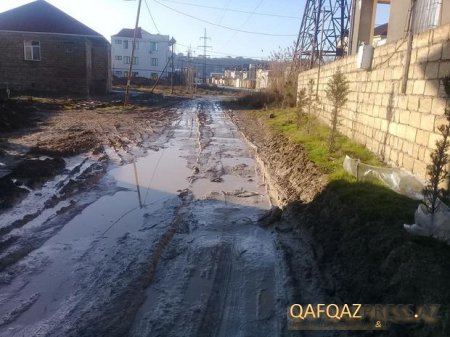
{"points": [[153, 46], [118, 58], [135, 74], [126, 60], [125, 74], [68, 47], [118, 41], [136, 46], [32, 50], [125, 44], [118, 73], [154, 62], [154, 76]]}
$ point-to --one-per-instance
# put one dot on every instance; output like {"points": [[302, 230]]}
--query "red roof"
{"points": [[40, 16]]}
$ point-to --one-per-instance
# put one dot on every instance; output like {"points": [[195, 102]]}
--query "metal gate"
{"points": [[426, 15]]}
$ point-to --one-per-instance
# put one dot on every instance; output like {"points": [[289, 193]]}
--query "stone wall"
{"points": [[63, 68], [400, 128]]}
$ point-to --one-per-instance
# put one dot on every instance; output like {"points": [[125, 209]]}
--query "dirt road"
{"points": [[172, 247]]}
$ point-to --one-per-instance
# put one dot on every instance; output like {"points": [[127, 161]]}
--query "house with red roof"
{"points": [[42, 49]]}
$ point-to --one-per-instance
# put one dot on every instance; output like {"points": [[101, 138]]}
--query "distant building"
{"points": [[42, 49], [150, 57], [380, 35]]}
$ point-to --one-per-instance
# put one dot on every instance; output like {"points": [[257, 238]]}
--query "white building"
{"points": [[150, 57]]}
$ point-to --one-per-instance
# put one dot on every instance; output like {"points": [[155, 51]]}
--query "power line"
{"points": [[244, 23], [205, 39], [222, 26], [226, 9], [225, 54], [149, 12]]}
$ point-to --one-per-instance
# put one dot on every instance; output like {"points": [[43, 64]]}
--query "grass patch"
{"points": [[371, 200], [313, 135]]}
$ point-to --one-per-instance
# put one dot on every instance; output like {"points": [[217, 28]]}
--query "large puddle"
{"points": [[223, 171]]}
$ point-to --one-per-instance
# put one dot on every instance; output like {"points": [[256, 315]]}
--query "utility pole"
{"points": [[411, 19], [172, 42], [133, 47], [189, 73], [205, 39]]}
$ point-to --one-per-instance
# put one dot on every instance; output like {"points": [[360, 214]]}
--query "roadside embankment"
{"points": [[354, 229]]}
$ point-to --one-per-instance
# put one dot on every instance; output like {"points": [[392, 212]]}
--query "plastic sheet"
{"points": [[397, 179], [436, 225]]}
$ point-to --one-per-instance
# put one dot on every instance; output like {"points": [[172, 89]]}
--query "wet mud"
{"points": [[168, 242]]}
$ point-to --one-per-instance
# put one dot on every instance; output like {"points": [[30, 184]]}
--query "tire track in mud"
{"points": [[199, 265], [220, 276]]}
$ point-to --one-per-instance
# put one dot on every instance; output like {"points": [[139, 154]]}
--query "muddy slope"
{"points": [[356, 254]]}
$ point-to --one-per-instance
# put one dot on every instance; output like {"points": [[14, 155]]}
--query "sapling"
{"points": [[437, 170], [312, 102], [302, 103], [337, 92]]}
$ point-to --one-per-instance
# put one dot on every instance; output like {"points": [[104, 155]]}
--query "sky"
{"points": [[186, 21]]}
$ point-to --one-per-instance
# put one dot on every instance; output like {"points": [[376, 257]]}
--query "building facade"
{"points": [[43, 49], [151, 54]]}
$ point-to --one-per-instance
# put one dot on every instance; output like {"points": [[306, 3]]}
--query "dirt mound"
{"points": [[294, 176]]}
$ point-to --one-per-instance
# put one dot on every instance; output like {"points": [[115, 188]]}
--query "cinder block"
{"points": [[431, 88], [439, 121], [419, 87], [446, 51], [410, 134], [435, 52], [438, 106], [404, 116], [420, 168], [401, 130], [444, 69], [408, 162], [422, 137], [422, 54], [425, 104], [413, 103], [414, 119], [427, 122], [440, 34], [434, 137], [432, 70], [403, 102]]}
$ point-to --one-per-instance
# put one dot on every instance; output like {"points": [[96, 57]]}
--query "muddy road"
{"points": [[169, 245]]}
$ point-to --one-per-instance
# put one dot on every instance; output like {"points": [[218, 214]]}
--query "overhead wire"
{"points": [[244, 23], [226, 9], [151, 16], [220, 25]]}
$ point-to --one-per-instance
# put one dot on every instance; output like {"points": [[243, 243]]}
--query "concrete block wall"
{"points": [[65, 65], [400, 128]]}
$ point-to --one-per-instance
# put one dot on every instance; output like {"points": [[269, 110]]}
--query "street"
{"points": [[172, 249]]}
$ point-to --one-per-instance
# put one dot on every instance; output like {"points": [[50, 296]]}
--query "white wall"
{"points": [[143, 53]]}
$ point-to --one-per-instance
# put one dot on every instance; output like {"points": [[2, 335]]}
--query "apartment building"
{"points": [[150, 57]]}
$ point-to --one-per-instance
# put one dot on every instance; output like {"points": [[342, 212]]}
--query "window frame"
{"points": [[29, 45], [154, 62]]}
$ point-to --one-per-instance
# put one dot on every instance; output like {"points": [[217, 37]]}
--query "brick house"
{"points": [[42, 49]]}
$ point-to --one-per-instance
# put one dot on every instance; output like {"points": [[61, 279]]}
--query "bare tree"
{"points": [[337, 92]]}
